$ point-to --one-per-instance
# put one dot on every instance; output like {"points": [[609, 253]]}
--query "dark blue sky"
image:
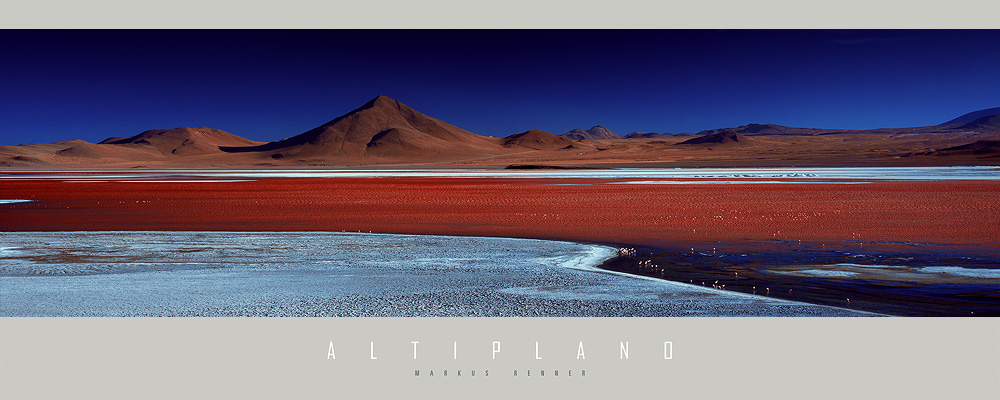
{"points": [[270, 84]]}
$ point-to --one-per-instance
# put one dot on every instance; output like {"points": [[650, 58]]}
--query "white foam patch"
{"points": [[866, 265], [728, 182], [970, 272], [589, 261], [14, 201]]}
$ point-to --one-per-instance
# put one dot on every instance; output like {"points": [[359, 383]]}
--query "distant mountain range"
{"points": [[384, 131], [984, 120], [988, 119], [768, 129]]}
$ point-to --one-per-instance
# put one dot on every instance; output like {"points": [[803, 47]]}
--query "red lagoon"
{"points": [[594, 210]]}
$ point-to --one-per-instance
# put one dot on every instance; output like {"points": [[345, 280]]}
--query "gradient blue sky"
{"points": [[271, 84]]}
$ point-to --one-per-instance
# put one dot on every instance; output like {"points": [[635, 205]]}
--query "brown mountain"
{"points": [[538, 140], [717, 138], [383, 128], [987, 123], [597, 132], [972, 116], [182, 141]]}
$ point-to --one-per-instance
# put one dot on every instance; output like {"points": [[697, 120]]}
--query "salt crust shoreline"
{"points": [[292, 274]]}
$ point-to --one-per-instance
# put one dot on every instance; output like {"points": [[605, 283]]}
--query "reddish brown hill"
{"points": [[382, 128], [81, 148], [17, 157], [538, 140], [717, 138], [70, 153], [182, 141]]}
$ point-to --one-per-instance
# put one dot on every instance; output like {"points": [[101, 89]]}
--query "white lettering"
{"points": [[330, 354], [373, 351], [579, 353], [537, 357], [668, 350], [414, 349], [624, 351], [496, 349]]}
